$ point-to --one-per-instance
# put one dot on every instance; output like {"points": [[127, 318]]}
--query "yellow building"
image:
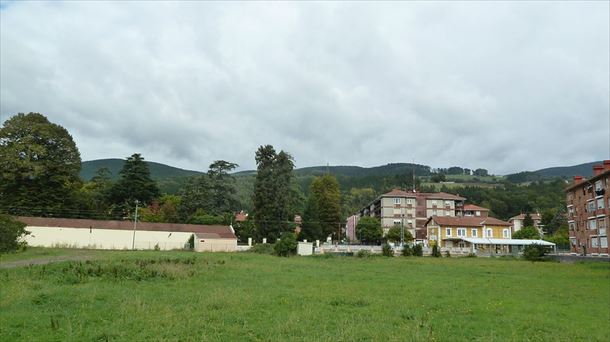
{"points": [[463, 231]]}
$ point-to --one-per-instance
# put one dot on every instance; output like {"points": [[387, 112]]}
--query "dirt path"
{"points": [[43, 261]]}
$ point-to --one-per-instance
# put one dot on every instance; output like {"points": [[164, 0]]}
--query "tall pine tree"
{"points": [[322, 216], [272, 192], [135, 184]]}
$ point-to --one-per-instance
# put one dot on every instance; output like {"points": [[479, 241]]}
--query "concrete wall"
{"points": [[215, 245], [104, 238]]}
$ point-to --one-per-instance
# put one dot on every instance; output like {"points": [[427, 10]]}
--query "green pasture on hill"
{"points": [[186, 296]]}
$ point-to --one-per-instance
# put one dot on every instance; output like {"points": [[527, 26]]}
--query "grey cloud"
{"points": [[505, 86]]}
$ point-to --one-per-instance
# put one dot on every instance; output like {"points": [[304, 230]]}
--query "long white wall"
{"points": [[104, 238]]}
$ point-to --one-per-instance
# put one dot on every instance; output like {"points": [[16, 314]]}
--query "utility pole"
{"points": [[402, 230], [135, 222]]}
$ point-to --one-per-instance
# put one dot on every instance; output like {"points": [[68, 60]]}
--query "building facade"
{"points": [[411, 209], [456, 231], [108, 234], [517, 221], [588, 214]]}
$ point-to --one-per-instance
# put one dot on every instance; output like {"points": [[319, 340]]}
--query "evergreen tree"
{"points": [[195, 194], [322, 216], [39, 165], [369, 230], [222, 187], [528, 221], [272, 189], [135, 184]]}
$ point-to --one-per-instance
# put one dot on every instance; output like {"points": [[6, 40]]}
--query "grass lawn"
{"points": [[185, 296]]}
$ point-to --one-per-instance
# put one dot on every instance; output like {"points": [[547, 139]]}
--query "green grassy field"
{"points": [[185, 296]]}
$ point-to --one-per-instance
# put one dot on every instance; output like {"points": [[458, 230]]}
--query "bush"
{"points": [[191, 242], [418, 250], [287, 245], [386, 250], [407, 250], [447, 254], [363, 253], [262, 248], [11, 234], [436, 251], [535, 252]]}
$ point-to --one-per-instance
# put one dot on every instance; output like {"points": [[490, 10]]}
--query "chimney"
{"points": [[606, 165], [577, 180], [597, 170]]}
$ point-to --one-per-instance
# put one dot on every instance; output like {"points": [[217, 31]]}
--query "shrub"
{"points": [[191, 242], [11, 234], [386, 250], [534, 252], [447, 254], [407, 250], [287, 245], [262, 248], [418, 250], [363, 253], [436, 251]]}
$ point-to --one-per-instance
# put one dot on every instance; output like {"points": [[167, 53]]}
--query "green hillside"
{"points": [[566, 172], [158, 171]]}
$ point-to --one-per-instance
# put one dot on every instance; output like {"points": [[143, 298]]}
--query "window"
{"points": [[461, 232], [601, 226], [603, 242], [591, 206], [489, 233], [598, 185], [448, 232], [572, 225], [397, 200], [447, 204], [477, 213], [600, 203], [474, 232], [592, 224], [434, 212], [594, 242], [397, 222], [573, 241], [505, 233]]}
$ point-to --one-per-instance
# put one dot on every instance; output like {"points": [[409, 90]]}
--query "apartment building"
{"points": [[412, 209], [588, 214], [471, 210], [517, 221]]}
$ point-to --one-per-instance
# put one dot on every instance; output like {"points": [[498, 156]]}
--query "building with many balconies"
{"points": [[588, 214]]}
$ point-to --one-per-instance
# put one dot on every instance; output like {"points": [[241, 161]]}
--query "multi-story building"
{"points": [[412, 209], [471, 210], [588, 214], [517, 221]]}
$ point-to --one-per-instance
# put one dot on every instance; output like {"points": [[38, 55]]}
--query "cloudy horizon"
{"points": [[505, 86]]}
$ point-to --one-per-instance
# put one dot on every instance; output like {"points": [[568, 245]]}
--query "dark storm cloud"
{"points": [[504, 86]]}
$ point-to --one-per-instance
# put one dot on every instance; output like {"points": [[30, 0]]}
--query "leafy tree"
{"points": [[287, 245], [272, 192], [94, 196], [245, 230], [11, 233], [39, 165], [407, 250], [527, 233], [436, 251], [393, 234], [195, 194], [535, 252], [467, 171], [480, 172], [369, 230], [322, 216], [135, 184], [437, 178], [455, 170], [201, 217], [163, 210], [528, 221], [222, 187]]}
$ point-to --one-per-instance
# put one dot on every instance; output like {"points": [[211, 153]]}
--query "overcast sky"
{"points": [[504, 86]]}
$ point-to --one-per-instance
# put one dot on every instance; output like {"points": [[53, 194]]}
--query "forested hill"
{"points": [[158, 171], [566, 172], [357, 171]]}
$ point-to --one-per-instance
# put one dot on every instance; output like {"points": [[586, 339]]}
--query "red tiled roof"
{"points": [[467, 221], [224, 232], [432, 195], [472, 207]]}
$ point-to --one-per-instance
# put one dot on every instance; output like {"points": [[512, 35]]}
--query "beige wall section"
{"points": [[215, 245], [104, 238]]}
